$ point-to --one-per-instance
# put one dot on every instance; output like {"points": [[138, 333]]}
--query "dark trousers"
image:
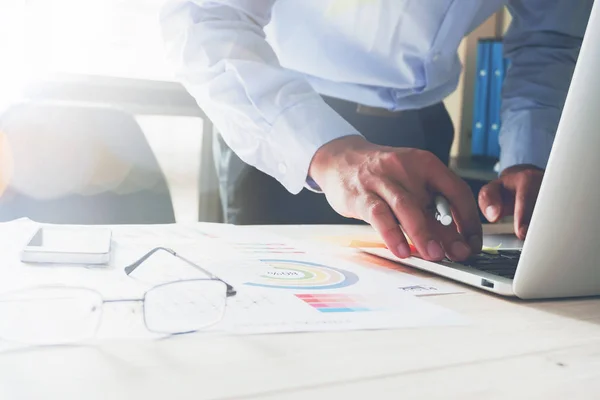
{"points": [[249, 196]]}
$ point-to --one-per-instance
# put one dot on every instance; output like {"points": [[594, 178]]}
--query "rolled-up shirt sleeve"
{"points": [[271, 117], [542, 45]]}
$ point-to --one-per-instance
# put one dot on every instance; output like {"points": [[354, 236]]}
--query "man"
{"points": [[344, 97]]}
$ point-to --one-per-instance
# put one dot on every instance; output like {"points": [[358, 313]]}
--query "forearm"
{"points": [[269, 116]]}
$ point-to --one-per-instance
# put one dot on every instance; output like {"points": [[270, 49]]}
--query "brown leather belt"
{"points": [[376, 111]]}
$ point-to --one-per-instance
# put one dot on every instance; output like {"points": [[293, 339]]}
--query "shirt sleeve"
{"points": [[542, 45], [270, 117]]}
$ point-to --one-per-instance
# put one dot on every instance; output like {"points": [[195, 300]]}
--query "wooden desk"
{"points": [[512, 349]]}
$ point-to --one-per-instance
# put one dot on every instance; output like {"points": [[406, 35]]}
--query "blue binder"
{"points": [[498, 65], [480, 103]]}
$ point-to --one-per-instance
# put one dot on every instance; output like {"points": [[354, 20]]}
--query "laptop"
{"points": [[560, 256]]}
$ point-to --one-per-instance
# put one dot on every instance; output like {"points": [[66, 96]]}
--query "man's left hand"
{"points": [[513, 193]]}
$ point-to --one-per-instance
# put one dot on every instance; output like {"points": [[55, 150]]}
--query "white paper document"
{"points": [[280, 286]]}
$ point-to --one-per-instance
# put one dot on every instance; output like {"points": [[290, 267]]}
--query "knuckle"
{"points": [[427, 157], [389, 159], [530, 172], [375, 209], [401, 201], [403, 162], [525, 178], [356, 182], [411, 154], [367, 174]]}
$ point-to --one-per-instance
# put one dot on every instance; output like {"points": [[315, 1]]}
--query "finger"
{"points": [[461, 199], [490, 200], [454, 244], [413, 219], [504, 189], [525, 199], [378, 214]]}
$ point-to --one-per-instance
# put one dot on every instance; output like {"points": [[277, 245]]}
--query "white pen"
{"points": [[442, 210]]}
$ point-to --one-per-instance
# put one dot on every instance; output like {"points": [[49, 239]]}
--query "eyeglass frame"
{"points": [[133, 266], [230, 291]]}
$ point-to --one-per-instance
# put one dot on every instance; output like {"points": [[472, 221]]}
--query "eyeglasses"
{"points": [[61, 315]]}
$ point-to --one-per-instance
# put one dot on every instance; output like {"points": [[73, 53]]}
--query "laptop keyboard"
{"points": [[503, 264]]}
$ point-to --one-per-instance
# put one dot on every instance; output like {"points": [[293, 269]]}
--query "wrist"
{"points": [[326, 155], [520, 168]]}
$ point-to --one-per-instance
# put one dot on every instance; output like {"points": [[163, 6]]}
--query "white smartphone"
{"points": [[69, 245]]}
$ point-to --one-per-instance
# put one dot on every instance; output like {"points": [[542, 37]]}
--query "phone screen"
{"points": [[71, 240]]}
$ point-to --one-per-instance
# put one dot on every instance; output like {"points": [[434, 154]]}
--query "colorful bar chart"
{"points": [[337, 303]]}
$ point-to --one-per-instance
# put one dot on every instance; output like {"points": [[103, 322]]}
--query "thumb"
{"points": [[490, 200]]}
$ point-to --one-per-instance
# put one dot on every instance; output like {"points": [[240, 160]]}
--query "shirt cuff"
{"points": [[527, 139], [295, 137], [311, 185]]}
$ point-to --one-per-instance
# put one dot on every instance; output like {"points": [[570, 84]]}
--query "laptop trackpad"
{"points": [[505, 241]]}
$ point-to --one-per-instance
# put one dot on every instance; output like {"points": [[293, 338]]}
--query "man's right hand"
{"points": [[386, 185]]}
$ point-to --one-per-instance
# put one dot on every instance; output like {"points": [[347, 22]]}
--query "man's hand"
{"points": [[514, 193], [386, 185]]}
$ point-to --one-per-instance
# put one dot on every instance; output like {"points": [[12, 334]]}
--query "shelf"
{"points": [[474, 169]]}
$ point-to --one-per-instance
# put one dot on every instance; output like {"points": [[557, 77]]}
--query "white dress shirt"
{"points": [[258, 67]]}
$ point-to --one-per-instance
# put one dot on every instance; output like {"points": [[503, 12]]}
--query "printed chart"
{"points": [[295, 274], [338, 303]]}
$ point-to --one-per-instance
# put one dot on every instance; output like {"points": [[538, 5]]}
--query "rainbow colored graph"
{"points": [[293, 274], [336, 303]]}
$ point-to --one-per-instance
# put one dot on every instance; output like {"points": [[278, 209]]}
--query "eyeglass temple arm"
{"points": [[132, 267], [230, 290]]}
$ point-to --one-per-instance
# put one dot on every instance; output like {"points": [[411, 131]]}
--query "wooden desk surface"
{"points": [[511, 349]]}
